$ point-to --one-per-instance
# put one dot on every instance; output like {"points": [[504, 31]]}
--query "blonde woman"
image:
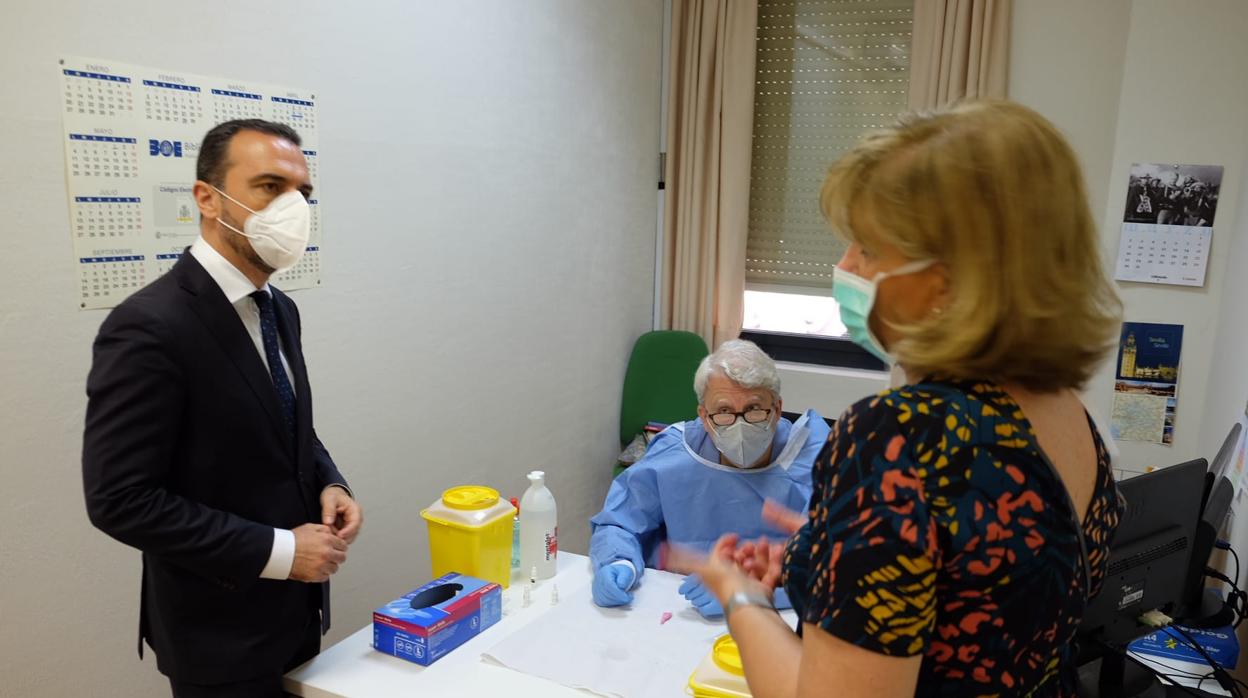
{"points": [[959, 523]]}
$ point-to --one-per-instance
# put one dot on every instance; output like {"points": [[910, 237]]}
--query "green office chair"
{"points": [[658, 386]]}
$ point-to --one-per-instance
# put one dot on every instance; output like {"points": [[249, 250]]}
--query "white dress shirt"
{"points": [[238, 289]]}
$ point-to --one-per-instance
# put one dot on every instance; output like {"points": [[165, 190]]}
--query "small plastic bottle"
{"points": [[539, 528]]}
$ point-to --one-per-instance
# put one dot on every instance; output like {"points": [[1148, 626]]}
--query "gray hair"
{"points": [[743, 363]]}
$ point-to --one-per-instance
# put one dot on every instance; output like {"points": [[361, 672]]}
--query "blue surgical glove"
{"points": [[611, 585], [701, 598]]}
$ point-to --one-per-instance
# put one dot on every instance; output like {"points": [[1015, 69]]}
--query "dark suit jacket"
{"points": [[185, 457]]}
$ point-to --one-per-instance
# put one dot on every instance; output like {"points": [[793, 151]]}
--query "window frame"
{"points": [[818, 350]]}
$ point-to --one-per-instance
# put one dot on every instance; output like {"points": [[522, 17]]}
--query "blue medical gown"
{"points": [[680, 493]]}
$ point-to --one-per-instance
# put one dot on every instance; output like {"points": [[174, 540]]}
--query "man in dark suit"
{"points": [[199, 448]]}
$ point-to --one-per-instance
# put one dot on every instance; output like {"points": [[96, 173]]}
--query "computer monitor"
{"points": [[1146, 570], [1217, 466], [1203, 607]]}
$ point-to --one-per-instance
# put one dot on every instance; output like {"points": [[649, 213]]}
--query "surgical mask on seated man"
{"points": [[743, 443]]}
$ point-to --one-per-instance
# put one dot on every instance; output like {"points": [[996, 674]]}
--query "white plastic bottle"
{"points": [[539, 528]]}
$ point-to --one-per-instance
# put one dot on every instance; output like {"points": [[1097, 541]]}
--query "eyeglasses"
{"points": [[727, 419]]}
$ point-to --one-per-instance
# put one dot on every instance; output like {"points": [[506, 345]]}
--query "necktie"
{"points": [[281, 382]]}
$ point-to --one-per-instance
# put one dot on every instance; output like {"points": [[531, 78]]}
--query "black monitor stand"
{"points": [[1115, 676], [1211, 612]]}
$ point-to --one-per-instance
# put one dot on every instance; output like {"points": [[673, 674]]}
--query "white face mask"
{"points": [[743, 443], [279, 233]]}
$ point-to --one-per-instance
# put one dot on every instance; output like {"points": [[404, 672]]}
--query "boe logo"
{"points": [[168, 149]]}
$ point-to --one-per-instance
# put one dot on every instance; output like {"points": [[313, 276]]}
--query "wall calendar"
{"points": [[131, 138], [1167, 227]]}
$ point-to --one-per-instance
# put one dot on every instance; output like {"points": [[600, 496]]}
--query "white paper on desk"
{"points": [[621, 652], [1180, 672]]}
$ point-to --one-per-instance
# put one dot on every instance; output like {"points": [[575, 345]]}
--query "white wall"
{"points": [[826, 389], [1148, 81], [489, 258], [1066, 61], [1183, 101], [1227, 393]]}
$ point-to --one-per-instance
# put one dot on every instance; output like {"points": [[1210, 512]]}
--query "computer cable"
{"points": [[1224, 679], [1226, 545], [1236, 599], [1200, 684], [1173, 670], [1167, 678]]}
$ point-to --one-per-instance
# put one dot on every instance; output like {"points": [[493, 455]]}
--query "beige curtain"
{"points": [[960, 48], [709, 135]]}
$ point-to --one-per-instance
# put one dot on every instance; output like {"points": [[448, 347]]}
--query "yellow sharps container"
{"points": [[720, 675], [470, 533]]}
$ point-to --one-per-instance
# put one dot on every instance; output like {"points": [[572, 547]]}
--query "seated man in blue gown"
{"points": [[706, 477]]}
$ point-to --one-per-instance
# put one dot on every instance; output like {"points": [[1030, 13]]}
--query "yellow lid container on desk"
{"points": [[721, 674], [470, 533]]}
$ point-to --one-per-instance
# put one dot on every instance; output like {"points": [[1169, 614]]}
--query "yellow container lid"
{"points": [[727, 655], [721, 674], [468, 507], [470, 497]]}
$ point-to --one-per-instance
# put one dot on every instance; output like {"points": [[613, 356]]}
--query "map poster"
{"points": [[1147, 382]]}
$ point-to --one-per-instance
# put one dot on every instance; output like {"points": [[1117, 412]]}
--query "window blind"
{"points": [[828, 71]]}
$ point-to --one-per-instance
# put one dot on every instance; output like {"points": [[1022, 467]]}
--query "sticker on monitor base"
{"points": [[1132, 593]]}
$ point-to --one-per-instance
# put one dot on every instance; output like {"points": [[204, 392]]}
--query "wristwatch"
{"points": [[746, 598]]}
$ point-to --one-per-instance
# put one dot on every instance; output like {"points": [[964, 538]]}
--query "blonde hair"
{"points": [[992, 190]]}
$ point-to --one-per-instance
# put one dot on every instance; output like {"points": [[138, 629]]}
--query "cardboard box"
{"points": [[427, 623]]}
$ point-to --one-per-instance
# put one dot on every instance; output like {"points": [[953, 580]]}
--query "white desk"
{"points": [[353, 669]]}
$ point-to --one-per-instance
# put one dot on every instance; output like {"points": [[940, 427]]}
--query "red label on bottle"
{"points": [[552, 544]]}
